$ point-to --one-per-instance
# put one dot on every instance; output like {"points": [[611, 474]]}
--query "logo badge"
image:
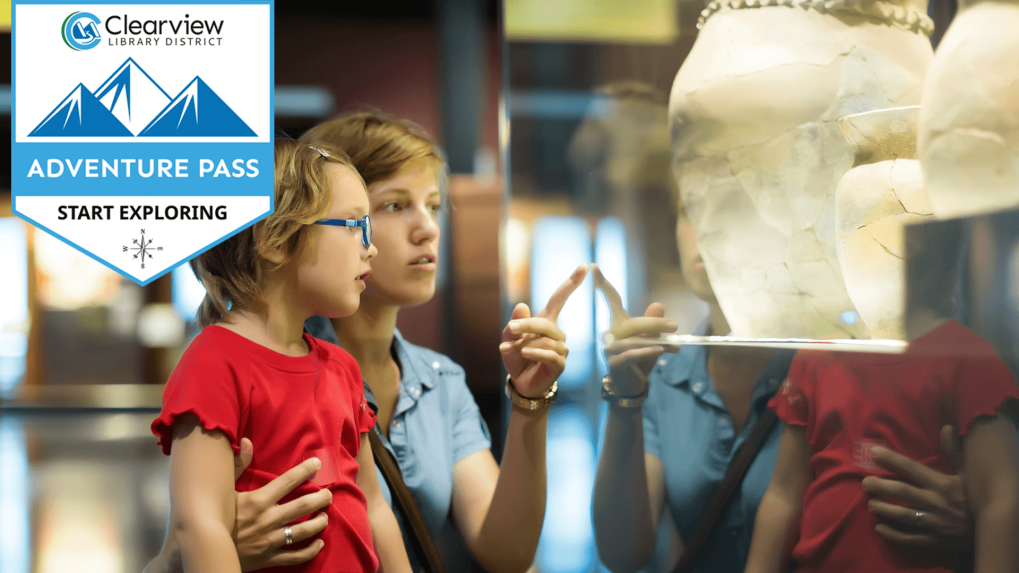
{"points": [[81, 31], [149, 151]]}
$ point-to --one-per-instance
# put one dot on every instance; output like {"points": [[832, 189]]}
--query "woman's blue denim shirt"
{"points": [[687, 427], [435, 425]]}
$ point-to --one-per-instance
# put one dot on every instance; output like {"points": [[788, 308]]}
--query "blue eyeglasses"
{"points": [[365, 224]]}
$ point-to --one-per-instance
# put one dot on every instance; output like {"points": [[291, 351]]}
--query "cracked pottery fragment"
{"points": [[875, 200], [969, 119], [758, 155]]}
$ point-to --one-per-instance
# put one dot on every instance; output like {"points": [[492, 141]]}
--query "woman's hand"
{"points": [[630, 359], [534, 349], [258, 529], [946, 520]]}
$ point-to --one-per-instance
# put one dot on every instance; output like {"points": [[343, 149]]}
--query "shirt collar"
{"points": [[688, 366], [416, 371]]}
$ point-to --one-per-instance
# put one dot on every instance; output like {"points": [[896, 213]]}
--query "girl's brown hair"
{"points": [[380, 145], [232, 271]]}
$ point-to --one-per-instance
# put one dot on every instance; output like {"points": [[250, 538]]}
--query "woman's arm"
{"points": [[777, 526], [629, 488], [947, 521], [258, 529], [386, 534], [629, 493], [202, 498], [499, 512], [991, 454]]}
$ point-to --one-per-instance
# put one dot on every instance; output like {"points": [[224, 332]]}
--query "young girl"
{"points": [[839, 406], [252, 373]]}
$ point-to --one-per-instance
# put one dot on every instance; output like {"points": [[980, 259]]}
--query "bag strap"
{"points": [[730, 483], [404, 502]]}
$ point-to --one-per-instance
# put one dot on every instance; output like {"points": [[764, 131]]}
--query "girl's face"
{"points": [[405, 211], [334, 263]]}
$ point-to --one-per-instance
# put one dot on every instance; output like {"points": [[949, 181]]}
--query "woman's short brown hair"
{"points": [[380, 145], [232, 271]]}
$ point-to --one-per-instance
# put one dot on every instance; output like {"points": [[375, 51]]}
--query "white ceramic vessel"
{"points": [[875, 200], [757, 153]]}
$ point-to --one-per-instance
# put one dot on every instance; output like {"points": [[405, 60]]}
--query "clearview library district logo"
{"points": [[142, 131]]}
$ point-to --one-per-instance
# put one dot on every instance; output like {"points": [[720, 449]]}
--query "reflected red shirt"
{"points": [[291, 408], [849, 402]]}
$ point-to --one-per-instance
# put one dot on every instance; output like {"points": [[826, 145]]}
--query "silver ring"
{"points": [[289, 535], [918, 519]]}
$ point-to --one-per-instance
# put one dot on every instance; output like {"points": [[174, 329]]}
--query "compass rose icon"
{"points": [[142, 248]]}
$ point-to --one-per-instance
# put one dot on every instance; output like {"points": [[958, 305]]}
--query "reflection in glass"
{"points": [[610, 256]]}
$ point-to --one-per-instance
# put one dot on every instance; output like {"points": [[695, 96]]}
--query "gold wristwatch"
{"points": [[530, 403], [622, 401]]}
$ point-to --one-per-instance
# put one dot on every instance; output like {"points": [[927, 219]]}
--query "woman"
{"points": [[702, 404], [426, 414]]}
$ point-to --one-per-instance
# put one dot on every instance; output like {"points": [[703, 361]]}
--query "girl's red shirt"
{"points": [[849, 402], [291, 408]]}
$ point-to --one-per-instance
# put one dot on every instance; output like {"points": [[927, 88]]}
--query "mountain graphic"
{"points": [[132, 95], [80, 114], [197, 112]]}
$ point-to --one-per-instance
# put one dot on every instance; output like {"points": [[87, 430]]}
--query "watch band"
{"points": [[530, 403], [622, 401]]}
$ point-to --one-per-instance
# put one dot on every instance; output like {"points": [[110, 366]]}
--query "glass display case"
{"points": [[776, 175]]}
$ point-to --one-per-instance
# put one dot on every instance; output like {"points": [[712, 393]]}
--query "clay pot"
{"points": [[882, 193], [969, 119], [757, 153]]}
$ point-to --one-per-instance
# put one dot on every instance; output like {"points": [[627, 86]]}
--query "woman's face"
{"points": [[690, 261], [334, 263], [405, 212]]}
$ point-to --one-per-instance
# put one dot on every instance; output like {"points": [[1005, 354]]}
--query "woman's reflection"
{"points": [[672, 450]]}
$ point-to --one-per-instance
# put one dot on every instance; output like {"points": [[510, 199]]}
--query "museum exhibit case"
{"points": [[805, 142]]}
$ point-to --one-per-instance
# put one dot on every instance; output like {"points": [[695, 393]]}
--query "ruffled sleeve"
{"points": [[204, 383], [792, 402]]}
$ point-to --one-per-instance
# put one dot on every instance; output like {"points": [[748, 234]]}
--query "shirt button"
{"points": [[661, 362], [697, 387], [725, 418], [396, 424], [435, 364]]}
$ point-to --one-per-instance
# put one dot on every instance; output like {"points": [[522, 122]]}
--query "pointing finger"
{"points": [[611, 295], [562, 294]]}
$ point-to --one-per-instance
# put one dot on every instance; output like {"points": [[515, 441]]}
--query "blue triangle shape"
{"points": [[80, 114], [197, 111]]}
